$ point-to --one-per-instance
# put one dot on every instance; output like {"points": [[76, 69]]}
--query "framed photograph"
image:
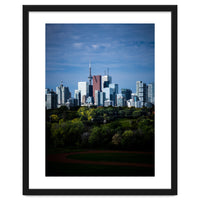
{"points": [[100, 100]]}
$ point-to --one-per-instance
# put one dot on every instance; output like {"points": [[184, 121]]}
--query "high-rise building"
{"points": [[46, 92], [63, 94], [142, 91], [114, 93], [102, 98], [126, 93], [120, 100], [108, 93], [97, 97], [83, 100], [51, 100], [134, 97], [96, 84], [77, 95], [151, 93], [90, 100], [106, 80], [108, 103], [139, 104], [115, 87], [83, 87], [130, 103], [71, 102]]}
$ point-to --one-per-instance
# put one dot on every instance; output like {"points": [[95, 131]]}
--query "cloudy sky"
{"points": [[126, 49]]}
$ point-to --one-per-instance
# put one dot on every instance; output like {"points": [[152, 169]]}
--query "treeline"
{"points": [[102, 127]]}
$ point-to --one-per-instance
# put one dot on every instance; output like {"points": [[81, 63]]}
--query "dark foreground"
{"points": [[100, 163]]}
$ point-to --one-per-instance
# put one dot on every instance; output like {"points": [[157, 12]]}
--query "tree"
{"points": [[95, 136], [56, 135], [73, 131], [54, 118], [116, 139], [128, 139]]}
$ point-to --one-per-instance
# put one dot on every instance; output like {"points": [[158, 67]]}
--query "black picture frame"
{"points": [[99, 8]]}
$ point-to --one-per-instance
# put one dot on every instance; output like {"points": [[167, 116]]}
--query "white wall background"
{"points": [[11, 97]]}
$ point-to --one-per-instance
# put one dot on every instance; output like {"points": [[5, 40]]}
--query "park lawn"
{"points": [[63, 150], [70, 169], [115, 157]]}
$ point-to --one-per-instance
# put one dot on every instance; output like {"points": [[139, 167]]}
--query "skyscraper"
{"points": [[97, 97], [106, 80], [142, 91], [120, 100], [63, 94], [151, 93], [77, 95], [83, 87], [126, 93], [102, 98], [114, 93], [46, 92], [51, 100], [108, 93], [134, 97], [96, 84], [108, 103]]}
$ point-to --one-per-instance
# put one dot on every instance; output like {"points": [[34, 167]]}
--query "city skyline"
{"points": [[126, 49]]}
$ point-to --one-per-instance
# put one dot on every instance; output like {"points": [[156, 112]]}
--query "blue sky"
{"points": [[126, 49]]}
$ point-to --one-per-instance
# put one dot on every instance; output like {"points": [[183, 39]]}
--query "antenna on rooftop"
{"points": [[90, 75]]}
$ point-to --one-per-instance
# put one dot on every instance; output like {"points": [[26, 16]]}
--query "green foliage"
{"points": [[54, 118], [116, 139], [128, 139], [146, 126], [136, 114], [102, 127], [95, 137]]}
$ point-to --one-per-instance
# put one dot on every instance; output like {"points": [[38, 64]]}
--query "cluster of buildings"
{"points": [[100, 91]]}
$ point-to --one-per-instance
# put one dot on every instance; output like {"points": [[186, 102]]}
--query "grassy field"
{"points": [[115, 157], [85, 169], [69, 169]]}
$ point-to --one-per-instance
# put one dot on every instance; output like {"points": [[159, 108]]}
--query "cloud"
{"points": [[76, 37], [78, 44], [95, 46]]}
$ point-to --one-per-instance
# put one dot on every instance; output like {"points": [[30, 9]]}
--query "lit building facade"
{"points": [[134, 97], [142, 91], [114, 93], [102, 98], [97, 97], [77, 95], [120, 100], [51, 100], [151, 93], [108, 103], [106, 80], [83, 87], [90, 100], [108, 93], [63, 94]]}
